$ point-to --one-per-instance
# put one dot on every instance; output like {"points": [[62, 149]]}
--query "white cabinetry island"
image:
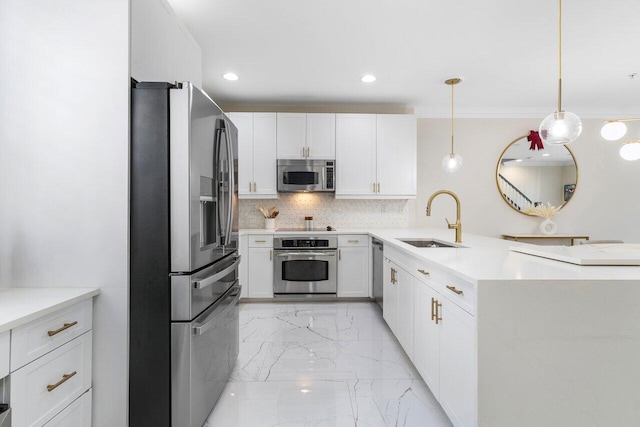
{"points": [[506, 339]]}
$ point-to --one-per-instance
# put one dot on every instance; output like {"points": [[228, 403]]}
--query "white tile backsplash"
{"points": [[326, 210]]}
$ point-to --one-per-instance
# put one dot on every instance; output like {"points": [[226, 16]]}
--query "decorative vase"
{"points": [[548, 227], [270, 223]]}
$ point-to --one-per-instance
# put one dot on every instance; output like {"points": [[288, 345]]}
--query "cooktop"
{"points": [[307, 229]]}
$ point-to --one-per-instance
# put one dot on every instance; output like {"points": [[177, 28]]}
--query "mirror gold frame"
{"points": [[502, 193]]}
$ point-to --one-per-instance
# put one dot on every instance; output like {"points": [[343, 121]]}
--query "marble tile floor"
{"points": [[322, 364]]}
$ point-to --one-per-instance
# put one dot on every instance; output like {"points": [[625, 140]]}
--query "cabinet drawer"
{"points": [[400, 257], [75, 415], [47, 385], [5, 352], [261, 241], [456, 290], [361, 240], [39, 337]]}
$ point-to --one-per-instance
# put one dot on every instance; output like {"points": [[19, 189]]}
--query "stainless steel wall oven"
{"points": [[305, 266]]}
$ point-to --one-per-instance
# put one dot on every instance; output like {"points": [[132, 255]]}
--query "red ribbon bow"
{"points": [[536, 142]]}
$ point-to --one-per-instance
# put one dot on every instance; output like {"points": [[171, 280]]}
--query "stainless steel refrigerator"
{"points": [[184, 290]]}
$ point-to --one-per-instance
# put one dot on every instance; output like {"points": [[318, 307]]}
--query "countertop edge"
{"points": [[40, 312]]}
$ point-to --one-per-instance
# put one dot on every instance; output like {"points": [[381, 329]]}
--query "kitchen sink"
{"points": [[429, 243]]}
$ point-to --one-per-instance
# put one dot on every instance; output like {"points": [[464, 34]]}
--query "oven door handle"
{"points": [[208, 281], [218, 310], [286, 254]]}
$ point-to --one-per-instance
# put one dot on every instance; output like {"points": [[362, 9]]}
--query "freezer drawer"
{"points": [[204, 353], [192, 294]]}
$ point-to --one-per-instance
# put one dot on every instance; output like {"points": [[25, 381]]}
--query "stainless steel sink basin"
{"points": [[429, 243]]}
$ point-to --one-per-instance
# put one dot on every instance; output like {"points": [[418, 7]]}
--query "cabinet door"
{"points": [[321, 136], [396, 154], [292, 135], [390, 295], [355, 155], [264, 155], [457, 366], [426, 338], [353, 272], [406, 296], [244, 123], [260, 272]]}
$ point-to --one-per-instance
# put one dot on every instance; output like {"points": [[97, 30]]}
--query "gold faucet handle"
{"points": [[451, 226]]}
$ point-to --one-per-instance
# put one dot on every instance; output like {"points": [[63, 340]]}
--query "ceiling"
{"points": [[313, 52]]}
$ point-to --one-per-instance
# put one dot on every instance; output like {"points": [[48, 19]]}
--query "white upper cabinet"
{"points": [[355, 155], [376, 156], [321, 136], [306, 136], [397, 155], [256, 155]]}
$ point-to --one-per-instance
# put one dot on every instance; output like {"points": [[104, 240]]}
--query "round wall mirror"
{"points": [[528, 178]]}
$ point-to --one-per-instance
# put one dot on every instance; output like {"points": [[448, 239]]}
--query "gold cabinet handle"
{"points": [[65, 326], [378, 187], [433, 308], [65, 377], [308, 152], [270, 255], [453, 289], [393, 276], [249, 187], [438, 318], [374, 187], [339, 255], [426, 273], [353, 241], [260, 241], [255, 187]]}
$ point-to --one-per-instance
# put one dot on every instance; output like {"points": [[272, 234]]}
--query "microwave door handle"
{"points": [[201, 328], [208, 281]]}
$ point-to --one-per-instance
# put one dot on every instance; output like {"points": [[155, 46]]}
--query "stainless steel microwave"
{"points": [[306, 176]]}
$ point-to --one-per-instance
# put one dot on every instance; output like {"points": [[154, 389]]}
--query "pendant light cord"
{"points": [[559, 56], [452, 119]]}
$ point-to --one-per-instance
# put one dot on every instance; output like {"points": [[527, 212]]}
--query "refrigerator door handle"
{"points": [[231, 183], [218, 310], [208, 281]]}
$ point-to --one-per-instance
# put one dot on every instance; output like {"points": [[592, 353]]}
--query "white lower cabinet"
{"points": [[353, 266], [75, 415], [260, 266], [426, 343], [398, 303]]}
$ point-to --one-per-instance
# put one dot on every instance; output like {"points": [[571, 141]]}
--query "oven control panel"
{"points": [[305, 242]]}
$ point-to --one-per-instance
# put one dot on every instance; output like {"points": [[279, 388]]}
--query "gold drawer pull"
{"points": [[65, 377], [66, 326], [353, 241], [260, 241], [426, 273], [453, 289]]}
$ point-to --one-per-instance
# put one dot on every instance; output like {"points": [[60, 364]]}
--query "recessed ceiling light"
{"points": [[230, 76], [518, 160], [546, 155], [368, 78]]}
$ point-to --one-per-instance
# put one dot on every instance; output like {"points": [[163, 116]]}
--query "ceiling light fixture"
{"points": [[230, 76], [452, 162], [615, 129], [368, 78], [561, 127]]}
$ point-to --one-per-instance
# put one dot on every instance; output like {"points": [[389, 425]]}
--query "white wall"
{"points": [[604, 206], [162, 49], [64, 88]]}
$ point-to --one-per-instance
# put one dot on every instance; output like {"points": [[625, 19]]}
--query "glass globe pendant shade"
{"points": [[630, 151], [452, 162], [561, 127], [613, 131]]}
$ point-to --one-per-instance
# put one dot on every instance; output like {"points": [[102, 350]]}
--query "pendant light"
{"points": [[561, 127], [452, 162]]}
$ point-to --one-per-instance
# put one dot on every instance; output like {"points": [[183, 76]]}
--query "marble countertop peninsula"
{"points": [[22, 305], [482, 258]]}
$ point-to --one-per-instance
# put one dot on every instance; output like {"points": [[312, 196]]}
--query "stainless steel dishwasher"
{"points": [[377, 256]]}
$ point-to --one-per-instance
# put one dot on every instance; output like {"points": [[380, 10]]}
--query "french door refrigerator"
{"points": [[183, 311]]}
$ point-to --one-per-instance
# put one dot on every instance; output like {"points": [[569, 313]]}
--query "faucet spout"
{"points": [[458, 225]]}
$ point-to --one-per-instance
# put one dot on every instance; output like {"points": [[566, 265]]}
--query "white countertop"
{"points": [[484, 258], [22, 305]]}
